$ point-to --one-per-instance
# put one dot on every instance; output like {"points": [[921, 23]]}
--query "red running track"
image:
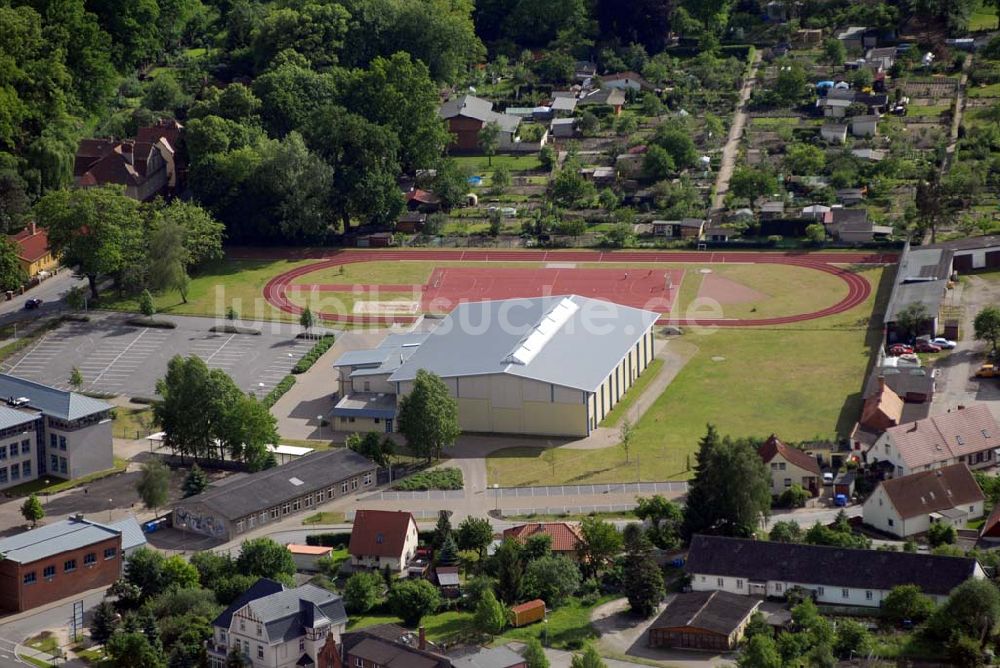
{"points": [[275, 291]]}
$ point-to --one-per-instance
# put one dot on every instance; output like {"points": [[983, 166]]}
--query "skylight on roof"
{"points": [[550, 323], [295, 481], [960, 440]]}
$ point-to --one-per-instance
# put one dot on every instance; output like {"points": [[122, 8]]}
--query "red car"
{"points": [[924, 347], [900, 349]]}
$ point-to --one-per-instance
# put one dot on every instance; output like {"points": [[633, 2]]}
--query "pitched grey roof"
{"points": [[479, 109], [285, 614], [762, 560], [132, 535], [259, 589], [716, 611], [569, 341], [921, 276], [50, 400], [11, 417], [55, 538], [274, 486], [489, 657]]}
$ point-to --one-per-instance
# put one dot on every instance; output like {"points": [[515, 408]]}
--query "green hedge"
{"points": [[151, 322], [234, 329], [336, 540], [444, 478], [314, 354], [279, 390]]}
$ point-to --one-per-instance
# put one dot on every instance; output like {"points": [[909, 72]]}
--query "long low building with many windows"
{"points": [[238, 504], [552, 366]]}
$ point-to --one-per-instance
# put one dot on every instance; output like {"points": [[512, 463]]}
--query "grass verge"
{"points": [[442, 478], [622, 408], [132, 422], [325, 517], [55, 485]]}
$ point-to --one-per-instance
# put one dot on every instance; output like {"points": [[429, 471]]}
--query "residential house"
{"points": [[703, 620], [566, 536], [686, 228], [612, 97], [966, 435], [490, 657], [914, 385], [230, 508], [835, 133], [33, 252], [864, 126], [832, 575], [146, 166], [909, 505], [61, 559], [383, 539], [789, 466], [272, 626], [48, 431], [390, 646], [467, 115], [625, 81]]}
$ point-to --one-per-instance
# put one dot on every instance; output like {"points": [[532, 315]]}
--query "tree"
{"points": [[588, 124], [96, 230], [32, 511], [154, 484], [476, 534], [370, 445], [677, 142], [760, 652], [500, 180], [362, 592], [168, 260], [589, 659], [164, 93], [657, 163], [306, 319], [986, 327], [442, 529], [834, 52], [790, 87], [664, 518], [428, 416], [750, 183], [911, 318], [805, 159], [731, 490], [144, 570], [643, 579], [941, 533], [626, 434], [201, 234], [491, 615], [130, 649], [103, 623], [178, 573], [12, 276], [974, 606], [552, 579], [547, 157], [188, 410], [852, 638], [816, 233], [146, 306], [264, 558], [509, 569], [794, 497], [411, 600], [195, 481], [965, 651], [786, 532], [907, 602], [601, 542], [534, 655], [448, 555], [489, 140], [75, 378], [245, 426]]}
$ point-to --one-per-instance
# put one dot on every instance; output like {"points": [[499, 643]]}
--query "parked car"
{"points": [[943, 343], [924, 347], [900, 349], [32, 304], [828, 478], [987, 371]]}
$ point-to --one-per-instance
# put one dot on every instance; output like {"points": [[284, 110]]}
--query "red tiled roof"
{"points": [[941, 437], [423, 196], [379, 533], [31, 246], [932, 491], [991, 528], [168, 129], [773, 447], [565, 536]]}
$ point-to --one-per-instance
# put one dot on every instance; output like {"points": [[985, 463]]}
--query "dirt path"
{"points": [[732, 147]]}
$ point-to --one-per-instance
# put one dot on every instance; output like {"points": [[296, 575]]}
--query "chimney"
{"points": [[33, 231], [127, 148], [422, 642], [961, 407], [881, 383]]}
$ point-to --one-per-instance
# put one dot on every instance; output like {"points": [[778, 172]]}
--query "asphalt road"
{"points": [[51, 291]]}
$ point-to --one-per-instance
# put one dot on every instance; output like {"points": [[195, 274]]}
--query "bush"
{"points": [[443, 478], [279, 391], [362, 592], [794, 497], [233, 329], [151, 322], [314, 354], [334, 540], [941, 533]]}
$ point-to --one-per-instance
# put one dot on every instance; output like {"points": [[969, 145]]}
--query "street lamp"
{"points": [[110, 501], [496, 494], [319, 421]]}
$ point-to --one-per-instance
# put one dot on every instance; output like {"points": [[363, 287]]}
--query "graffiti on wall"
{"points": [[203, 524]]}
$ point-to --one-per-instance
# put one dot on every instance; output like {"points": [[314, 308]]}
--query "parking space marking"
{"points": [[119, 355]]}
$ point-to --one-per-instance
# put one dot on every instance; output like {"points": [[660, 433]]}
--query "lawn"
{"points": [[799, 381], [132, 422], [229, 283], [621, 409], [568, 626], [325, 517], [990, 90], [984, 18], [55, 485], [44, 642], [343, 302], [926, 111], [515, 163]]}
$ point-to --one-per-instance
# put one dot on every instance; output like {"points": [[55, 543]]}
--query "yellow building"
{"points": [[548, 366], [33, 250]]}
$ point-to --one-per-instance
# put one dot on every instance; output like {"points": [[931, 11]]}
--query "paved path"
{"points": [[731, 150]]}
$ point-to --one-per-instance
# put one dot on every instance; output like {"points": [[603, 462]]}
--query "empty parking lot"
{"points": [[118, 358]]}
